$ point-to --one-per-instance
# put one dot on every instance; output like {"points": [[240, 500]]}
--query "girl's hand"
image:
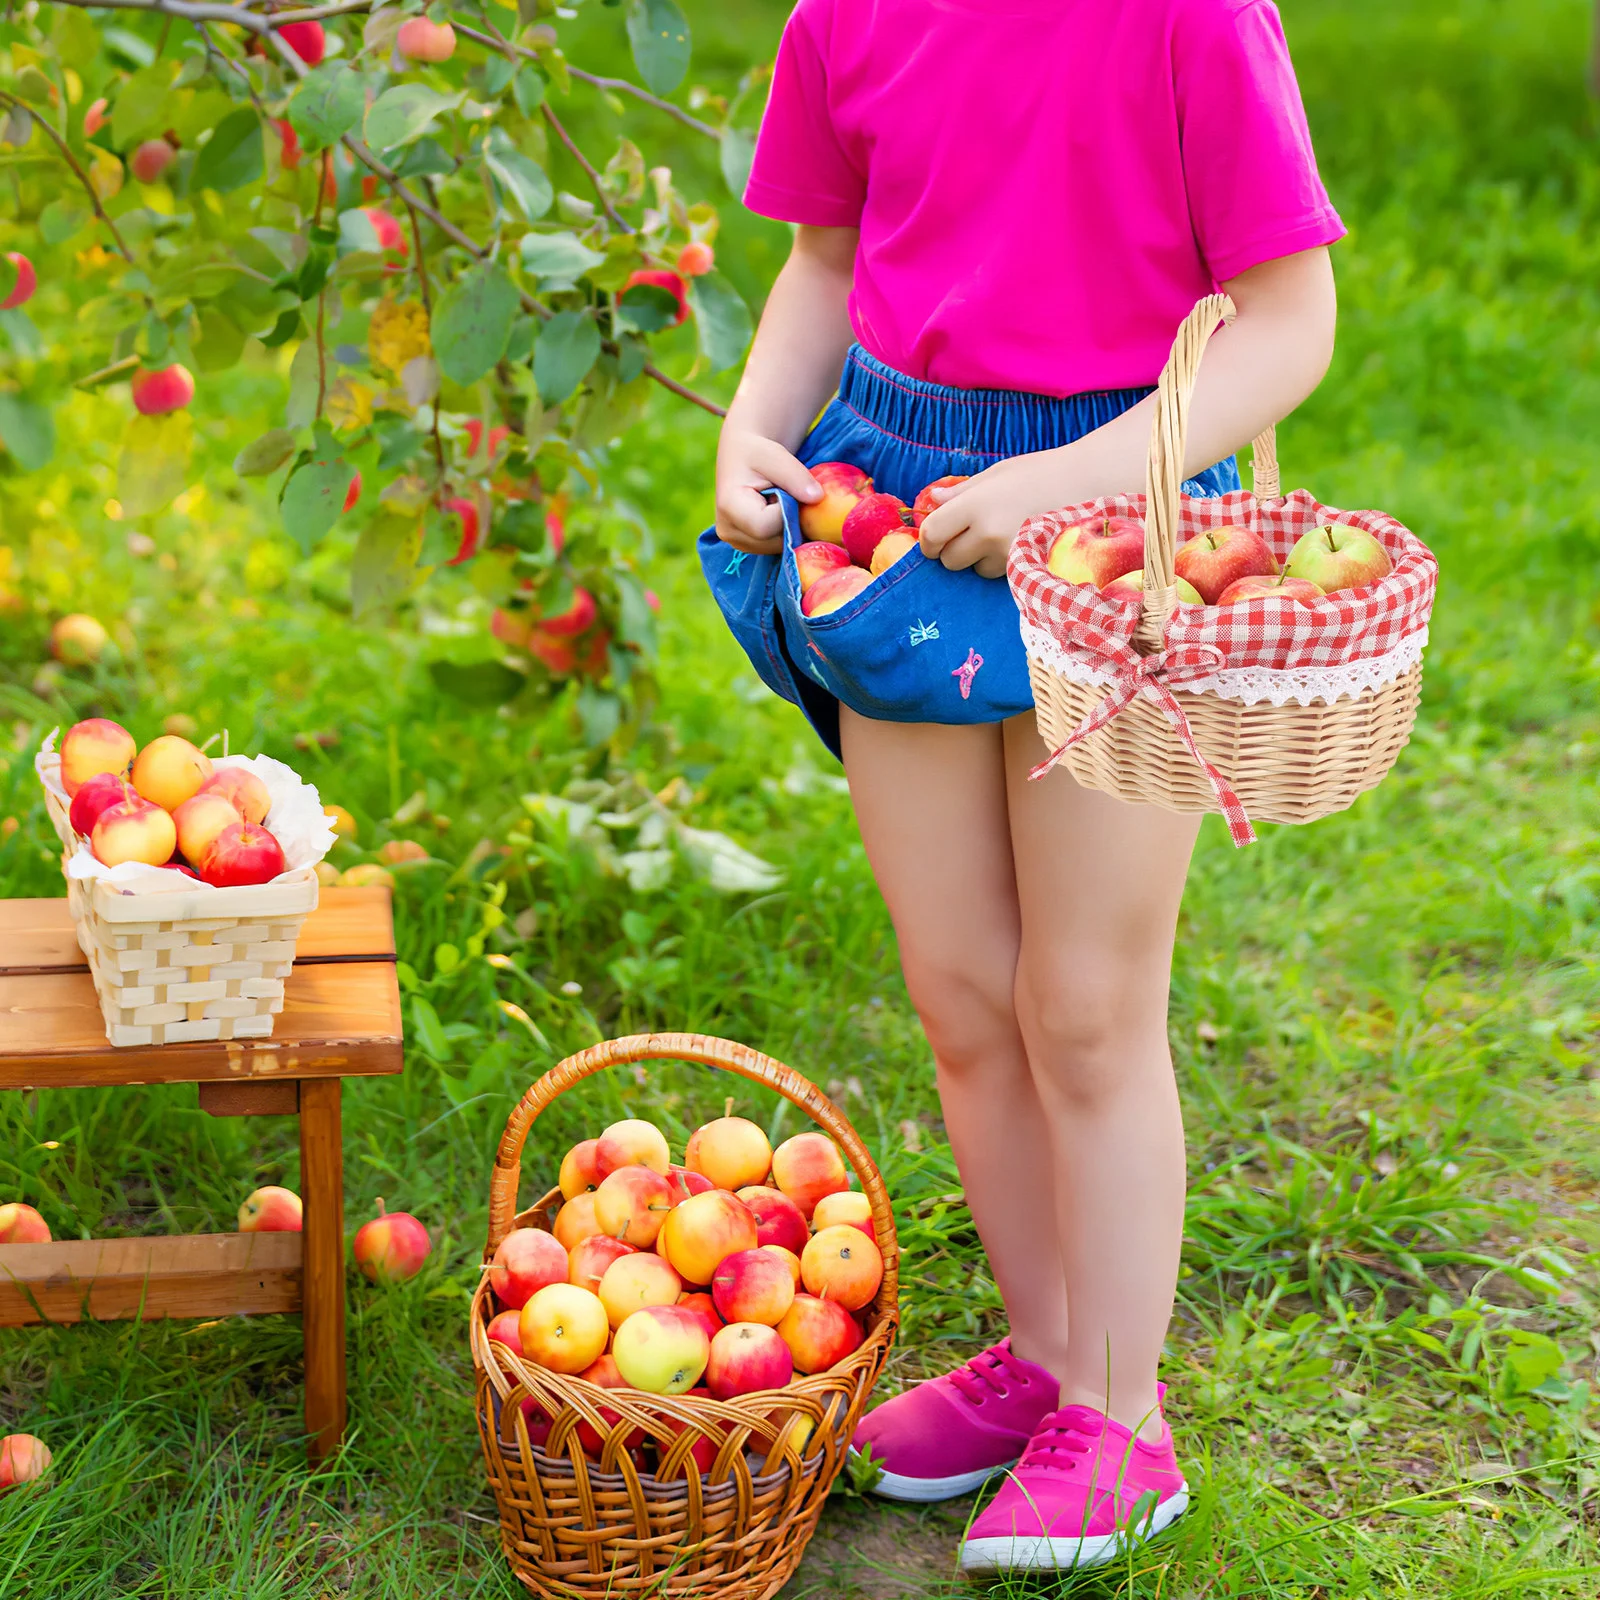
{"points": [[976, 521], [748, 464]]}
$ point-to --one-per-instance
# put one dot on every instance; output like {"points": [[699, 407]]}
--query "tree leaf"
{"points": [[558, 259], [658, 33], [472, 321], [327, 105], [220, 344], [265, 454], [305, 384], [737, 152], [384, 568], [313, 495], [478, 683], [404, 113], [722, 320], [567, 347], [523, 179], [27, 431], [141, 104], [233, 156], [427, 1030], [61, 219], [154, 466]]}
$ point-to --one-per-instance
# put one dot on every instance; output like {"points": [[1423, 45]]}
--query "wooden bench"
{"points": [[340, 1019]]}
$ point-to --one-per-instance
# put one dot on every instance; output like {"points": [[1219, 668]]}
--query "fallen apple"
{"points": [[77, 640], [21, 1224], [271, 1210], [392, 1247], [23, 1458]]}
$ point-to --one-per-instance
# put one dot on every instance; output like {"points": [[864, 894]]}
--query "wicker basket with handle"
{"points": [[599, 1528], [1269, 709]]}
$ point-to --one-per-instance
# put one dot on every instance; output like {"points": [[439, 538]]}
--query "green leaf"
{"points": [[233, 156], [27, 431], [32, 85], [558, 259], [265, 454], [305, 383], [600, 714], [658, 33], [637, 622], [737, 151], [154, 465], [527, 89], [140, 105], [61, 219], [565, 350], [404, 113], [313, 495], [472, 321], [427, 1030], [384, 567], [327, 105], [479, 683], [649, 308], [722, 320], [523, 179]]}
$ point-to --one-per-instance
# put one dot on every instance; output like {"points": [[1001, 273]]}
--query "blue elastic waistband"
{"points": [[980, 422]]}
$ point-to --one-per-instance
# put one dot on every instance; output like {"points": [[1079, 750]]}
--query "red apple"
{"points": [[575, 1222], [590, 1259], [842, 486], [27, 282], [23, 1458], [133, 830], [818, 558], [871, 518], [271, 1210], [659, 278], [77, 640], [705, 1308], [306, 39], [807, 1167], [200, 819], [1338, 556], [604, 1373], [683, 1183], [833, 590], [391, 236], [557, 654], [791, 1262], [1131, 586], [1220, 556], [704, 1231], [92, 747], [242, 789], [353, 493], [103, 790], [747, 1357], [21, 1224], [467, 511], [1260, 587], [421, 40], [1096, 552], [155, 393], [578, 1171], [662, 1349], [150, 159], [839, 1264], [778, 1219], [95, 118], [819, 1333], [242, 853], [564, 1328], [696, 259], [525, 1261], [703, 1452], [392, 1247], [632, 1143], [731, 1151], [752, 1286], [506, 1329], [924, 503], [635, 1281], [289, 145], [497, 437], [169, 770], [632, 1204], [847, 1208], [576, 619]]}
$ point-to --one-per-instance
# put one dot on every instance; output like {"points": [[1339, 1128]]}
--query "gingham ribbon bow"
{"points": [[1152, 677]]}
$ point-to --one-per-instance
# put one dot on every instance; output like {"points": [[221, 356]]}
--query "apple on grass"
{"points": [[747, 1357], [199, 820], [242, 853], [1131, 585], [842, 486], [847, 1208], [168, 770], [753, 1286], [392, 1247], [524, 1262], [21, 1224], [732, 1152], [242, 789], [564, 1328], [94, 748], [1220, 556], [661, 1349], [1098, 551], [635, 1281], [833, 590], [632, 1143], [871, 519], [778, 1219], [133, 830], [842, 1266], [575, 1222], [159, 392], [819, 1333], [704, 1231], [589, 1261], [23, 1458], [26, 282], [422, 40], [631, 1205], [272, 1209], [1261, 587], [816, 559], [925, 503], [77, 640], [578, 1171], [1338, 556], [807, 1167]]}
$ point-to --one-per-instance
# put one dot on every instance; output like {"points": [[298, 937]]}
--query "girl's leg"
{"points": [[931, 805], [1099, 884]]}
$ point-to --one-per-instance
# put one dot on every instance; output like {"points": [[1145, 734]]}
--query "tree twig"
{"points": [[623, 86], [596, 182], [83, 177]]}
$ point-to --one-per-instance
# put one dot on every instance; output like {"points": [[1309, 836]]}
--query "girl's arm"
{"points": [[1255, 372], [793, 369]]}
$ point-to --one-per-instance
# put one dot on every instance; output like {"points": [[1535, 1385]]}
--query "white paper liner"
{"points": [[296, 820]]}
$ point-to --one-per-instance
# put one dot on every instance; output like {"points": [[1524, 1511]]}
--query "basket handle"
{"points": [[1164, 476], [710, 1052]]}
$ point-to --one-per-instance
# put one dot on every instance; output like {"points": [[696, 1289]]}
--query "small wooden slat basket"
{"points": [[183, 966], [601, 1529]]}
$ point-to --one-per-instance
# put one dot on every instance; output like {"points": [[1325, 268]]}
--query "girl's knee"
{"points": [[966, 1010], [1087, 1027]]}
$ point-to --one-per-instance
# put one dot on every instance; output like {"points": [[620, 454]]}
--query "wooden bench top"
{"points": [[341, 1013]]}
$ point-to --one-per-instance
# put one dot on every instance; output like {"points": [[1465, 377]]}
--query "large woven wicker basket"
{"points": [[182, 966], [1294, 761], [601, 1529]]}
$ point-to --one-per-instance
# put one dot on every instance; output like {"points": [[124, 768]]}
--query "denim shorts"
{"points": [[920, 643]]}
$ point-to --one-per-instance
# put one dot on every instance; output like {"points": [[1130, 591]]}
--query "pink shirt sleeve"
{"points": [[801, 172], [1254, 191]]}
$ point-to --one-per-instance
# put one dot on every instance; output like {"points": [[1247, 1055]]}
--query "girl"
{"points": [[1004, 209]]}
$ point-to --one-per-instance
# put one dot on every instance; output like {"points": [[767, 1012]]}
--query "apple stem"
{"points": [[727, 1106], [381, 1211]]}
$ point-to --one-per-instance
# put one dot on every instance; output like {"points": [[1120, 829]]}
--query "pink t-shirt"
{"points": [[1044, 188]]}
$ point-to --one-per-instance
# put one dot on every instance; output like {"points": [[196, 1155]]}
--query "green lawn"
{"points": [[1385, 1025]]}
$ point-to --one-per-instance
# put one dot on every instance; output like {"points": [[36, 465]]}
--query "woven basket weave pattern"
{"points": [[603, 1529]]}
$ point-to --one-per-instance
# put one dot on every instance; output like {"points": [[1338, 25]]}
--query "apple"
{"points": [[340, 820], [578, 1171], [509, 627], [819, 1333], [242, 853], [306, 39], [576, 619], [77, 640], [632, 1204], [659, 278], [102, 791], [169, 769], [94, 119], [366, 875], [924, 503], [394, 852], [890, 549], [1096, 552], [1260, 587], [150, 159], [200, 819], [497, 437], [471, 531], [703, 1307], [842, 486], [391, 236], [590, 1259], [604, 1373], [849, 1207], [703, 1452], [632, 1143], [696, 259], [1338, 556], [421, 40], [506, 1329], [662, 1349], [791, 1262], [752, 1286], [557, 654], [27, 282], [747, 1357], [525, 1261], [1220, 556], [271, 1210], [288, 145], [732, 1152], [778, 1219], [94, 747], [21, 1224], [352, 494], [818, 558], [635, 1281], [872, 518], [155, 393], [392, 1247], [704, 1231], [832, 590], [683, 1183], [575, 1222], [564, 1328], [242, 789], [807, 1167], [133, 830], [23, 1458], [842, 1266], [1131, 584]]}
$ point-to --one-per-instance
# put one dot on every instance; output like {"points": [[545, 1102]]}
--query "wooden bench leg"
{"points": [[322, 1183]]}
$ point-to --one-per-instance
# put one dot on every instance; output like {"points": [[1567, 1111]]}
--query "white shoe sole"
{"points": [[1062, 1555], [925, 1491]]}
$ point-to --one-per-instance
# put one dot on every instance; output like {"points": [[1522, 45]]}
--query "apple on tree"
{"points": [[422, 40], [156, 393], [27, 281]]}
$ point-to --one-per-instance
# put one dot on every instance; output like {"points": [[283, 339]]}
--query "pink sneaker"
{"points": [[1071, 1502], [952, 1434]]}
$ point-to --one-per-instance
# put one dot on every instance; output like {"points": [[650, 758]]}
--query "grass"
{"points": [[1385, 1026]]}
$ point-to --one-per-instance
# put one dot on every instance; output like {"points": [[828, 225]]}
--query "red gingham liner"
{"points": [[1272, 633]]}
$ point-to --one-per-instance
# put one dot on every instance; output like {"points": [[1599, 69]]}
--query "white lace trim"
{"points": [[1251, 685]]}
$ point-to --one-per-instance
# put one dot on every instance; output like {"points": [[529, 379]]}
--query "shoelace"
{"points": [[987, 1374], [1072, 1431]]}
